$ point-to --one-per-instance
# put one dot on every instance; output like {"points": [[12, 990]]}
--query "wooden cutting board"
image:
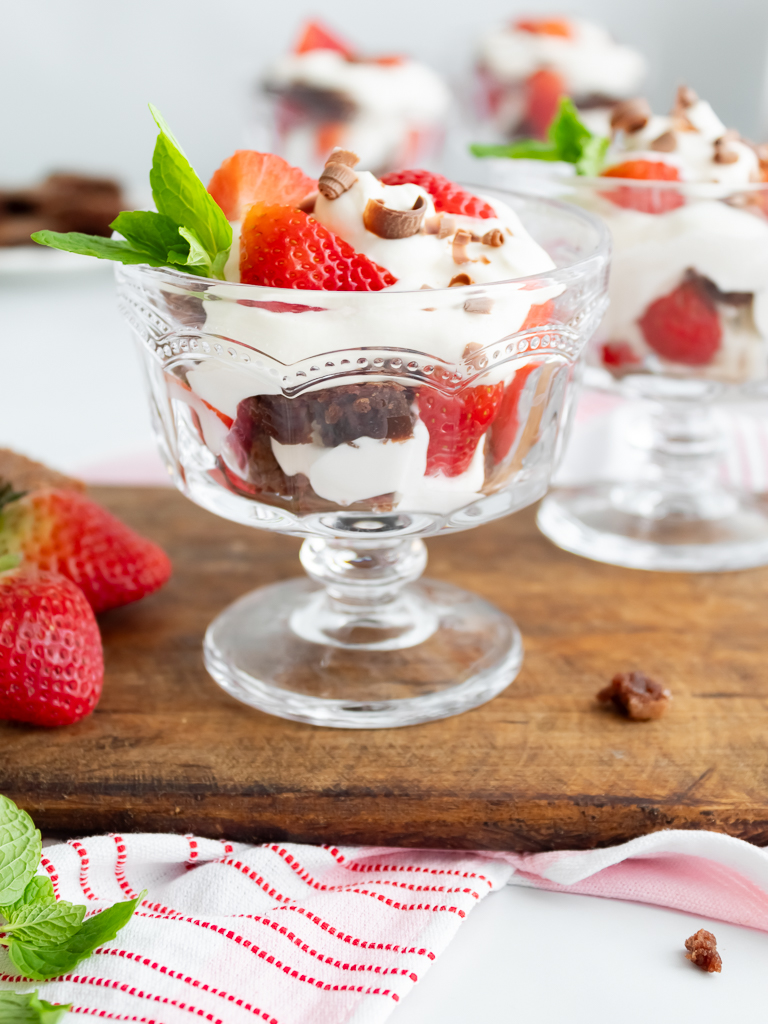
{"points": [[540, 767]]}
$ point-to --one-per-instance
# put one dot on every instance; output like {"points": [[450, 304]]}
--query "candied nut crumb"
{"points": [[494, 238], [459, 280], [637, 696], [447, 226], [631, 115], [343, 156], [665, 143], [702, 951], [335, 180], [479, 305], [461, 240], [386, 223]]}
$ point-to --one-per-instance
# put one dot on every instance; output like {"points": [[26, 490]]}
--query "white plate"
{"points": [[41, 259]]}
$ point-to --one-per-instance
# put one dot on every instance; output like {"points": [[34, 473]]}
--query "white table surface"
{"points": [[71, 394]]}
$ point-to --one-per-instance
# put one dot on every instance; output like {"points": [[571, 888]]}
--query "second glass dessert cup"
{"points": [[685, 336], [364, 422]]}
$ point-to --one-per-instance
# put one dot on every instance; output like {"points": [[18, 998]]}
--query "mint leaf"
{"points": [[44, 923], [149, 232], [526, 149], [180, 195], [41, 962], [592, 158], [39, 890], [568, 140], [20, 850], [95, 245], [28, 1008]]}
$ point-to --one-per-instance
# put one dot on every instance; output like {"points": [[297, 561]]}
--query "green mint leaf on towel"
{"points": [[20, 850], [49, 961], [568, 140], [29, 1008]]}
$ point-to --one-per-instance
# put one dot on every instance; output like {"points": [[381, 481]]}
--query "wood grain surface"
{"points": [[543, 766]]}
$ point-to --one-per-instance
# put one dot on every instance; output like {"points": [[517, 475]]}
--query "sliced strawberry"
{"points": [[455, 424], [543, 90], [545, 27], [683, 326], [619, 354], [281, 247], [248, 177], [538, 315], [650, 200], [507, 421], [315, 36], [448, 197]]}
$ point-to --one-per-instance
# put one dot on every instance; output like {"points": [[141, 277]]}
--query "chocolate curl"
{"points": [[494, 238], [723, 153], [460, 280], [335, 180], [666, 143], [630, 115], [386, 223], [461, 240]]}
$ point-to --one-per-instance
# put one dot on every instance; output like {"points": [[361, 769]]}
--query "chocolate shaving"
{"points": [[459, 280], [631, 115], [386, 223], [447, 226], [461, 240], [335, 180], [723, 153], [684, 99], [478, 305], [494, 238], [307, 204], [432, 224], [343, 156], [666, 143]]}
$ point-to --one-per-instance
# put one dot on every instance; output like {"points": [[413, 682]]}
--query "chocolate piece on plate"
{"points": [[637, 696]]}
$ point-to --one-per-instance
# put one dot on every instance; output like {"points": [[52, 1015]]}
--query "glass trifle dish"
{"points": [[368, 362], [388, 108], [685, 335]]}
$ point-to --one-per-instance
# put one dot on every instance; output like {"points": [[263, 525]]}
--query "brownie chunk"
{"points": [[334, 416], [702, 951], [637, 696]]}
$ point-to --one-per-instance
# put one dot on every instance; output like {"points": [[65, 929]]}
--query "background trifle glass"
{"points": [[363, 422], [685, 335]]}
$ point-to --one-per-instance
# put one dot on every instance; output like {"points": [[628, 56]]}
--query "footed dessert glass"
{"points": [[364, 422], [686, 334]]}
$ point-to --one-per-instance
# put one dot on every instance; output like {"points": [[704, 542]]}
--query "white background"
{"points": [[76, 75]]}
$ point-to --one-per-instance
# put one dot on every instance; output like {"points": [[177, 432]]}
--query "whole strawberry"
{"points": [[51, 662], [66, 532]]}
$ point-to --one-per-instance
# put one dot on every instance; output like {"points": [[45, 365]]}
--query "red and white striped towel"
{"points": [[294, 934]]}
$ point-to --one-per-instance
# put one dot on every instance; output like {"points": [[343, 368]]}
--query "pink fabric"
{"points": [[293, 934]]}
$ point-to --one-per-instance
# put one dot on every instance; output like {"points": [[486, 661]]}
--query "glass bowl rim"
{"points": [[600, 252]]}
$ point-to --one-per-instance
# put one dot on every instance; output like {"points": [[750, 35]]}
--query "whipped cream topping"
{"points": [[589, 60], [426, 259], [406, 89], [391, 105], [695, 147]]}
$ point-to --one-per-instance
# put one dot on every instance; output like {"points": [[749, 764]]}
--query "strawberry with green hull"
{"points": [[51, 662], [66, 532]]}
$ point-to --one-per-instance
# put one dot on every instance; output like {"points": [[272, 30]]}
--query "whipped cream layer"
{"points": [[589, 60], [695, 147]]}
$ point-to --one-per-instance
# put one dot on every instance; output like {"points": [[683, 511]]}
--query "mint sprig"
{"points": [[568, 140], [29, 1008], [189, 231], [45, 937]]}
